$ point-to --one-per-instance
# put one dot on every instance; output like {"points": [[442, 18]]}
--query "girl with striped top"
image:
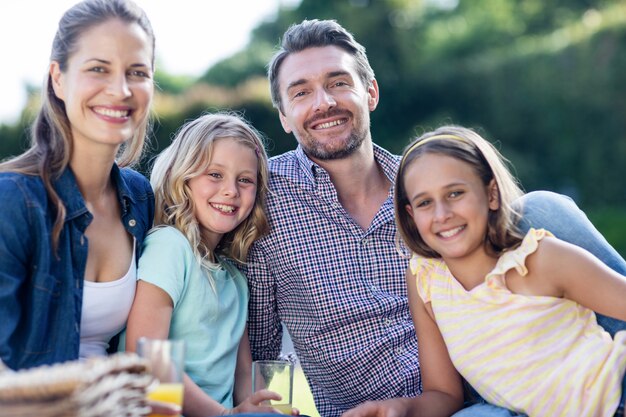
{"points": [[512, 314]]}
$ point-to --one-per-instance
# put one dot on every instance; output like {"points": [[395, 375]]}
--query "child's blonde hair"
{"points": [[467, 146], [188, 156]]}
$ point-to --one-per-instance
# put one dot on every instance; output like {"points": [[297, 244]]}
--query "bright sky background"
{"points": [[190, 34]]}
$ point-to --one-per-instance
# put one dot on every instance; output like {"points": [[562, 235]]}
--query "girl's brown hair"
{"points": [[467, 146]]}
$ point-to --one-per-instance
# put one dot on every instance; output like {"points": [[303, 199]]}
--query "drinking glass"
{"points": [[276, 376], [166, 359]]}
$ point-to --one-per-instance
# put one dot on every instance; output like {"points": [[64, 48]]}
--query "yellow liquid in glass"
{"points": [[168, 393], [283, 408]]}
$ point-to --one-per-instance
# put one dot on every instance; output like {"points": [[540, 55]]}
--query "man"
{"points": [[331, 269]]}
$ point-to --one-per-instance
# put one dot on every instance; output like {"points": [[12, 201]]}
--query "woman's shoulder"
{"points": [[14, 184], [136, 182]]}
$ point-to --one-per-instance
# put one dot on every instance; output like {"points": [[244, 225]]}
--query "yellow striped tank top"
{"points": [[543, 356]]}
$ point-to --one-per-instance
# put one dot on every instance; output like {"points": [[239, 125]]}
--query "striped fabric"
{"points": [[542, 356]]}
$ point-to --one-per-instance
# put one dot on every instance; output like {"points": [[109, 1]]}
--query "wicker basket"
{"points": [[113, 386]]}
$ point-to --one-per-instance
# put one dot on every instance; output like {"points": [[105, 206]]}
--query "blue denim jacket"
{"points": [[41, 294]]}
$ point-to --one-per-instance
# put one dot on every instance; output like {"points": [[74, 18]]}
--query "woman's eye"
{"points": [[422, 203], [138, 73], [455, 194], [97, 69]]}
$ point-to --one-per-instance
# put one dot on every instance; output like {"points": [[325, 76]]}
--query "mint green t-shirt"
{"points": [[211, 322]]}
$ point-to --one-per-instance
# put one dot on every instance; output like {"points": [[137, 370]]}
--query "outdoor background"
{"points": [[545, 80]]}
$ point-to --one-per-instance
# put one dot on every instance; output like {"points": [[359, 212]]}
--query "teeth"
{"points": [[330, 124], [111, 112], [224, 208], [451, 232]]}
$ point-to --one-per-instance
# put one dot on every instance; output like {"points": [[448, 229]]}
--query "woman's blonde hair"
{"points": [[188, 156], [51, 132], [467, 146]]}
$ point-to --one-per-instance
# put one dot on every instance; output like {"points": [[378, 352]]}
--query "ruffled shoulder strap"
{"points": [[425, 271], [516, 258]]}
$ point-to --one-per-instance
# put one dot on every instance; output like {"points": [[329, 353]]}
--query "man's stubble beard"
{"points": [[319, 151]]}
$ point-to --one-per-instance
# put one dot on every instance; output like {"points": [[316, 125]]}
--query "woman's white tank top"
{"points": [[106, 306]]}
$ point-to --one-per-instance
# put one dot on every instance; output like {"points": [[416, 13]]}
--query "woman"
{"points": [[74, 216]]}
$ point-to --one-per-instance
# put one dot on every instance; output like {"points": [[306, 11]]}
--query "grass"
{"points": [[611, 222], [302, 397]]}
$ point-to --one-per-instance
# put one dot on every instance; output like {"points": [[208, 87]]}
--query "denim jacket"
{"points": [[41, 293]]}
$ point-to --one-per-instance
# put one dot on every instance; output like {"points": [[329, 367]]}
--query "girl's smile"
{"points": [[224, 195], [449, 205]]}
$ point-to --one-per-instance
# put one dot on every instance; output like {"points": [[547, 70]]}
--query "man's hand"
{"points": [[395, 407]]}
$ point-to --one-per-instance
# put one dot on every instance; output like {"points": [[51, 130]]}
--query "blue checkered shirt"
{"points": [[339, 289]]}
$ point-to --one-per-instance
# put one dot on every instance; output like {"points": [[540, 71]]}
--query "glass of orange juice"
{"points": [[166, 359], [275, 376]]}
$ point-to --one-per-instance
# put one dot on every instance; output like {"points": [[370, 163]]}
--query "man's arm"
{"points": [[264, 326], [442, 393]]}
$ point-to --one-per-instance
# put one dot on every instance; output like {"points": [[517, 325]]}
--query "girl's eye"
{"points": [[246, 180], [455, 194], [97, 69], [423, 203], [214, 175]]}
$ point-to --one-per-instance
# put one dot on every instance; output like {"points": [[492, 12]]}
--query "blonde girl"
{"points": [[210, 187], [513, 313]]}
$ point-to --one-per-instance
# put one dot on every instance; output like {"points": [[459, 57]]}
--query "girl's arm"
{"points": [[150, 316], [243, 370], [442, 393], [579, 276]]}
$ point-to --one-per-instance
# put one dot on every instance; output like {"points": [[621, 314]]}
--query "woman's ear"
{"points": [[493, 195], [56, 78]]}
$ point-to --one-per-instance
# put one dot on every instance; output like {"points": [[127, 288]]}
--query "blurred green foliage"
{"points": [[543, 79]]}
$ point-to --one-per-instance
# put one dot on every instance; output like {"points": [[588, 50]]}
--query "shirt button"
{"points": [[132, 222], [387, 321], [364, 241], [373, 288], [399, 351]]}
